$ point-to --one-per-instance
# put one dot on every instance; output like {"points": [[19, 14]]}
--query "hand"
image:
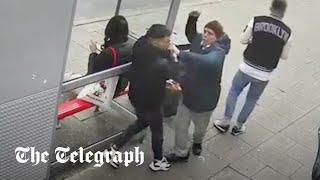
{"points": [[194, 13], [175, 57], [174, 49], [173, 87], [93, 47]]}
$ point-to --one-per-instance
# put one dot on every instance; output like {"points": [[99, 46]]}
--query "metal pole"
{"points": [[172, 15], [118, 7], [52, 146]]}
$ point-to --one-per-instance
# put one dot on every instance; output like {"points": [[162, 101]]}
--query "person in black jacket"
{"points": [[150, 70], [268, 40], [116, 36]]}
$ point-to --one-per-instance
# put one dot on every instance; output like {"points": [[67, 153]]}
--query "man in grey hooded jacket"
{"points": [[200, 84]]}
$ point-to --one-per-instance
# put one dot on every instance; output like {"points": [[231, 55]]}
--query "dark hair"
{"points": [[216, 27], [116, 31], [279, 6], [158, 31]]}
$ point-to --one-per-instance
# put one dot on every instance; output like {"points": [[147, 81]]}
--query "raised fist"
{"points": [[194, 13]]}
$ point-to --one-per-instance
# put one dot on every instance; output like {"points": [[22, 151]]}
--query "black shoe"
{"points": [[174, 158], [196, 149], [238, 130]]}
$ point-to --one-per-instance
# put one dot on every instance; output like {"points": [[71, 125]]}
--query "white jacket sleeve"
{"points": [[286, 48], [246, 35]]}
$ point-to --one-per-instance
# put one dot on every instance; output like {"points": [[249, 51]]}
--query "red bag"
{"points": [[114, 55]]}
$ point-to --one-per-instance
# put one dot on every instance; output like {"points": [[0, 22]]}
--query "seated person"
{"points": [[116, 38]]}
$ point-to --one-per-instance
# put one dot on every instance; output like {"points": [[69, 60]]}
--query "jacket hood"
{"points": [[224, 42]]}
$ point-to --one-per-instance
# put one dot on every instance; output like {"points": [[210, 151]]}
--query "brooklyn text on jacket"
{"points": [[30, 154], [271, 28]]}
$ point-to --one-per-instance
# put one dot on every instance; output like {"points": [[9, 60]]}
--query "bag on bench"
{"points": [[101, 93]]}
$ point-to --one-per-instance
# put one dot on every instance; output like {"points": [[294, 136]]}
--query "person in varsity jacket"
{"points": [[268, 39]]}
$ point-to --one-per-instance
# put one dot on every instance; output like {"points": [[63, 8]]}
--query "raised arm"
{"points": [[191, 26], [203, 60]]}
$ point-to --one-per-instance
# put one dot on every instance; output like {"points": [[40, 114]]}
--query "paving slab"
{"points": [[268, 174]]}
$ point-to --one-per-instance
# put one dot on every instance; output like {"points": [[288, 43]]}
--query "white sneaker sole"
{"points": [[220, 128], [153, 168], [243, 130], [238, 133], [114, 165]]}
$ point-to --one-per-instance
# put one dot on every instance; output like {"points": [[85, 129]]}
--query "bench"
{"points": [[70, 107]]}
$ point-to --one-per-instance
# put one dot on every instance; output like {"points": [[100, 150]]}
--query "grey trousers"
{"points": [[182, 123]]}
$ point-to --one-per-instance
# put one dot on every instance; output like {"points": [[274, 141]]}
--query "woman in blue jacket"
{"points": [[200, 84]]}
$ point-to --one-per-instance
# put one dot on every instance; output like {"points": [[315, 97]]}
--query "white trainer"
{"points": [[222, 125], [160, 165], [113, 155]]}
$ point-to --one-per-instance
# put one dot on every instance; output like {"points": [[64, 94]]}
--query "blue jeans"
{"points": [[240, 81]]}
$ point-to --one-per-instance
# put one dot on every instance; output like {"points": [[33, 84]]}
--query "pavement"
{"points": [[281, 139]]}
